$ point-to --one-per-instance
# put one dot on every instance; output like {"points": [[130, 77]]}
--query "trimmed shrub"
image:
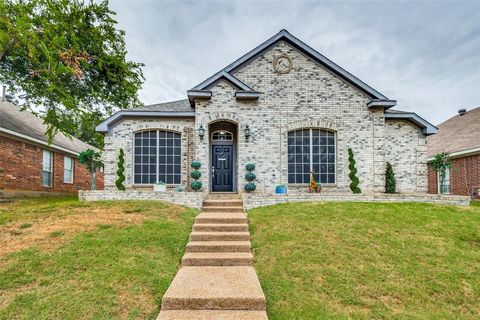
{"points": [[196, 165], [249, 187], [390, 182], [353, 173], [120, 171], [195, 174], [250, 176], [196, 185], [250, 167]]}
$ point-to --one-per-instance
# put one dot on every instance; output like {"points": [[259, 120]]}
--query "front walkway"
{"points": [[217, 280]]}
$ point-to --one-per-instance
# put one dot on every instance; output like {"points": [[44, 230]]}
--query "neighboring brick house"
{"points": [[282, 106], [460, 138], [29, 166]]}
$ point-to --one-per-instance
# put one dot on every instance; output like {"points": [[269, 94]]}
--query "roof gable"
{"points": [[284, 35]]}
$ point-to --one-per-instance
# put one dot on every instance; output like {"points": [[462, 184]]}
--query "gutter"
{"points": [[459, 154]]}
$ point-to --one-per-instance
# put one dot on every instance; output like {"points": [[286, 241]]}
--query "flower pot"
{"points": [[160, 187], [281, 190]]}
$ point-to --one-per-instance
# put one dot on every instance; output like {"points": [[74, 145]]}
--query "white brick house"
{"points": [[285, 108]]}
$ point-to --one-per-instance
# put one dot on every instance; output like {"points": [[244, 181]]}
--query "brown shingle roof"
{"points": [[26, 124], [459, 133]]}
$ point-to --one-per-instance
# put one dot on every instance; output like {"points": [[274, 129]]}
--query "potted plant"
{"points": [[160, 186], [281, 189]]}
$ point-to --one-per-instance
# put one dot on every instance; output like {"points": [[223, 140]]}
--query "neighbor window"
{"points": [[67, 170], [47, 169], [157, 157], [445, 187], [311, 150]]}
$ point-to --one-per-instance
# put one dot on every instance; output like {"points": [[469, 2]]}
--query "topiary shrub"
{"points": [[120, 171], [390, 182], [249, 187], [196, 165], [250, 176], [195, 174], [353, 173], [250, 167], [196, 185]]}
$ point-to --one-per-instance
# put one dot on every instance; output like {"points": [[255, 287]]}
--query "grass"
{"points": [[105, 260], [368, 260]]}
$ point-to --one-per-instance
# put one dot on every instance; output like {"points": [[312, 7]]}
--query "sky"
{"points": [[425, 55]]}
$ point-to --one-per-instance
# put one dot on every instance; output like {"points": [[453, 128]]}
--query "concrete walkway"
{"points": [[217, 280]]}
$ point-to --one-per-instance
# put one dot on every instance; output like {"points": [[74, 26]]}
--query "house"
{"points": [[283, 107], [29, 165], [459, 137]]}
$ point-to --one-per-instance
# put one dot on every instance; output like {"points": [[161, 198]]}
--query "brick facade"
{"points": [[21, 169], [309, 96], [464, 177]]}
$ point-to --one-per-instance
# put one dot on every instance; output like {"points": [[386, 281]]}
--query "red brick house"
{"points": [[460, 138], [29, 166]]}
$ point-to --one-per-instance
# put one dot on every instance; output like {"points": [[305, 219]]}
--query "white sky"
{"points": [[426, 55]]}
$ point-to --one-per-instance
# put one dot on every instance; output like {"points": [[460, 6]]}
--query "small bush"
{"points": [[195, 174], [353, 173], [250, 176], [196, 185], [249, 187], [390, 182], [196, 165], [250, 167], [120, 171]]}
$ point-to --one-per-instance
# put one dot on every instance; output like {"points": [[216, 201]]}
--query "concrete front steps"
{"points": [[217, 279]]}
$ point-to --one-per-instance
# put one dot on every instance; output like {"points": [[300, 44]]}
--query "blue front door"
{"points": [[222, 168]]}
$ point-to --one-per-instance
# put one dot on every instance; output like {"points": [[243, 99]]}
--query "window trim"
{"points": [[71, 169], [50, 153], [146, 185], [311, 157], [447, 178]]}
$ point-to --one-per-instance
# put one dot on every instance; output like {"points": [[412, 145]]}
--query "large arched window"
{"points": [[157, 157], [311, 149]]}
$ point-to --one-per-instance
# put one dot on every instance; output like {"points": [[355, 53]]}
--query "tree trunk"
{"points": [[94, 181]]}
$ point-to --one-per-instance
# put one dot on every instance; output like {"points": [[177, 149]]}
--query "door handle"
{"points": [[213, 169]]}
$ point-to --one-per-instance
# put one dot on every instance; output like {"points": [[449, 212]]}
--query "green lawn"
{"points": [[368, 261], [63, 259]]}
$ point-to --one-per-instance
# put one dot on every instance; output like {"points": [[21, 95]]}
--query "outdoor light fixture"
{"points": [[201, 132], [247, 132]]}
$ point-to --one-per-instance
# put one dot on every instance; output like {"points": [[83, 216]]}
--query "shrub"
{"points": [[120, 171], [249, 187], [250, 167], [196, 165], [353, 173], [390, 182], [195, 174], [250, 176], [196, 185]]}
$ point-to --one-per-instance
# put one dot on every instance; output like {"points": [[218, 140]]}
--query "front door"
{"points": [[222, 168]]}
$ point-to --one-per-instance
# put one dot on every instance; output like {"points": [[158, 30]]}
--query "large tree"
{"points": [[67, 59]]}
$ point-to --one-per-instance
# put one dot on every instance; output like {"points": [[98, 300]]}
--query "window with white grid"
{"points": [[157, 157], [311, 150]]}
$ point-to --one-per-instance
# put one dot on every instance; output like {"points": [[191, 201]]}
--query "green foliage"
{"points": [[196, 165], [196, 185], [91, 159], [195, 174], [249, 187], [68, 58], [353, 173], [250, 176], [440, 164], [250, 167], [120, 171], [85, 129], [390, 182]]}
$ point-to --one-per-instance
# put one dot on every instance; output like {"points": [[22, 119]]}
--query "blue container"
{"points": [[281, 190]]}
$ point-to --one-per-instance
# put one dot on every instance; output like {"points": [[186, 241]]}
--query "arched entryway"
{"points": [[223, 156]]}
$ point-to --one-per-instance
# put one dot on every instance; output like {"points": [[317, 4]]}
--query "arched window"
{"points": [[157, 157], [311, 149], [222, 135]]}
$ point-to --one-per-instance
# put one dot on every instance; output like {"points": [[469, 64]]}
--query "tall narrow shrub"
{"points": [[92, 160], [353, 173], [390, 182], [120, 171]]}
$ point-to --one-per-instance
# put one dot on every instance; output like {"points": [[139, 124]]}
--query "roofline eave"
{"points": [[427, 127]]}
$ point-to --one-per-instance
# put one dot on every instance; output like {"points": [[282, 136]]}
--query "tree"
{"points": [[353, 173], [390, 182], [440, 164], [67, 58], [91, 159], [120, 171], [85, 129]]}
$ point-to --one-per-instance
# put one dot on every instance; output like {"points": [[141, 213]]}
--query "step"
{"points": [[221, 217], [219, 246], [223, 203], [223, 227], [212, 315], [217, 259], [215, 288], [223, 209], [219, 236]]}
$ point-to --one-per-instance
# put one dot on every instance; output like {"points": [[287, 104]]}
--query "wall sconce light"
{"points": [[201, 132], [247, 132]]}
